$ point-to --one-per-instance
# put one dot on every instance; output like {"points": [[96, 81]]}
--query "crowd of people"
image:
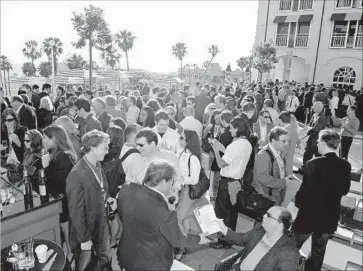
{"points": [[124, 163]]}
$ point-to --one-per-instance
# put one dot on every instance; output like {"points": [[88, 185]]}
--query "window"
{"points": [[344, 76], [347, 34], [293, 34], [346, 3], [294, 5]]}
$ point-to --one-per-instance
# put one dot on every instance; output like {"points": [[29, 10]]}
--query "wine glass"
{"points": [[4, 148]]}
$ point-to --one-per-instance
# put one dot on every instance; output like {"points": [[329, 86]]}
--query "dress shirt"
{"points": [[184, 167], [192, 123], [292, 103], [279, 161], [333, 104], [171, 138], [263, 129], [132, 166], [132, 114], [274, 115]]}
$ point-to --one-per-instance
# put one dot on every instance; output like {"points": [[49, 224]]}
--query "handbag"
{"points": [[227, 263], [198, 190], [252, 204]]}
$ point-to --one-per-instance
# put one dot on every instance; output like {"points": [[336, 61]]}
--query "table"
{"points": [[55, 261], [336, 255], [178, 266]]}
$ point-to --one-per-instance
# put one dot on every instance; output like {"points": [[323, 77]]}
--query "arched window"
{"points": [[344, 76]]}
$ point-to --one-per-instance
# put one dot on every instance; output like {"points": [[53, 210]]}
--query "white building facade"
{"points": [[317, 41]]}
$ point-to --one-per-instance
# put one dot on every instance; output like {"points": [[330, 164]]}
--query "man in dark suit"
{"points": [[26, 115], [150, 226], [317, 123], [326, 180], [103, 117], [87, 194]]}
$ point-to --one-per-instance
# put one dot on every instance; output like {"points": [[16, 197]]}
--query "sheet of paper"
{"points": [[207, 219]]}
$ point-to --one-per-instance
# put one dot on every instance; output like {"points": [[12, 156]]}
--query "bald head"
{"points": [[318, 107], [188, 111]]}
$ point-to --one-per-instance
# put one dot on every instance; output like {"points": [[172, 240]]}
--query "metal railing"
{"points": [[302, 40], [281, 40], [358, 41], [285, 5], [344, 3], [338, 40], [306, 4]]}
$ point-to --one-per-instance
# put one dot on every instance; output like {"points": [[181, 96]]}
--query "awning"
{"points": [[306, 18], [353, 16], [292, 18], [280, 19], [337, 17]]}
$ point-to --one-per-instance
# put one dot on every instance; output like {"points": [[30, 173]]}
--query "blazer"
{"points": [[266, 184], [27, 117], [88, 124], [257, 130], [283, 255], [56, 174], [150, 230], [317, 124], [86, 202], [326, 180], [105, 119], [42, 114]]}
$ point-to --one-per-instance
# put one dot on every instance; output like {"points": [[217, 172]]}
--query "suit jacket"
{"points": [[288, 155], [326, 180], [88, 124], [257, 130], [283, 255], [86, 203], [150, 230], [201, 103], [105, 119], [317, 124], [27, 117], [265, 183]]}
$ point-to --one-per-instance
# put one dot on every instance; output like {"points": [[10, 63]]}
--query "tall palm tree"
{"points": [[111, 55], [179, 51], [32, 51], [213, 51], [57, 50], [75, 62], [125, 40], [3, 66], [9, 67]]}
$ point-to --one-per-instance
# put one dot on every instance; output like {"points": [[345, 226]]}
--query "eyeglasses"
{"points": [[26, 140], [140, 145], [9, 120], [270, 216]]}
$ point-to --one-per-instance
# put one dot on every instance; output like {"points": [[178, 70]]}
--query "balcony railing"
{"points": [[281, 40], [344, 3], [285, 5], [306, 4], [338, 40], [358, 41], [301, 40]]}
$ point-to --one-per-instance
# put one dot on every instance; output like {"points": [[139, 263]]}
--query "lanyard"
{"points": [[97, 177]]}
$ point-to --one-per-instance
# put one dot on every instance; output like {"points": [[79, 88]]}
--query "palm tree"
{"points": [[9, 67], [75, 62], [57, 50], [125, 40], [111, 55], [213, 51], [31, 51], [245, 62], [3, 66], [179, 51]]}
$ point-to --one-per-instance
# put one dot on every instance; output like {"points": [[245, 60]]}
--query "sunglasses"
{"points": [[9, 120], [140, 145], [270, 216], [27, 141], [182, 138]]}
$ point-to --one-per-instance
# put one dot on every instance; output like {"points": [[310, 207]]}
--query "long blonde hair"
{"points": [[46, 103]]}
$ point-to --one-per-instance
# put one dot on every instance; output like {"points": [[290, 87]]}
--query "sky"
{"points": [[157, 25]]}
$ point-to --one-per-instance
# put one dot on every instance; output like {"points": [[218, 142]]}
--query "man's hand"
{"points": [[215, 145], [87, 245], [163, 145]]}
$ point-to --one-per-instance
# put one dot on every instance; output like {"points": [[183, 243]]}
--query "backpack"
{"points": [[115, 173]]}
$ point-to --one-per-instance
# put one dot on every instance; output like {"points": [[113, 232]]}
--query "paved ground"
{"points": [[204, 258]]}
